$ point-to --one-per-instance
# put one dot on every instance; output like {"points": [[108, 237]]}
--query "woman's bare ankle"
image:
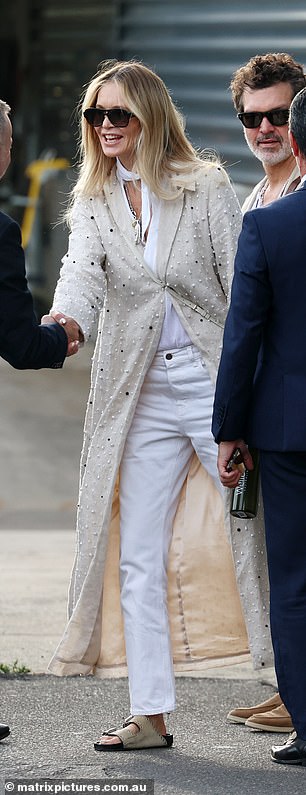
{"points": [[158, 722]]}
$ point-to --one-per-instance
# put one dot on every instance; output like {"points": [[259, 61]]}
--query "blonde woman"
{"points": [[154, 229]]}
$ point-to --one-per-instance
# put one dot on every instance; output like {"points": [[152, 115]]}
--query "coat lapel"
{"points": [[116, 204], [170, 216]]}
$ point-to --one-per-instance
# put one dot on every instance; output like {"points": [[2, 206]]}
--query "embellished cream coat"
{"points": [[107, 287]]}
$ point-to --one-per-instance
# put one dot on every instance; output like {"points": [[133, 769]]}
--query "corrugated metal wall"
{"points": [[74, 37], [197, 45]]}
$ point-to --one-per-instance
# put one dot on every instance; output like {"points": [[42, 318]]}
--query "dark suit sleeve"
{"points": [[243, 333], [23, 343]]}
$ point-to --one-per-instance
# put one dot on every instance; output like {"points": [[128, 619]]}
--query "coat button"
{"points": [[169, 356]]}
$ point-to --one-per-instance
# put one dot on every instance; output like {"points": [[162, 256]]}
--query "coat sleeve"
{"points": [[81, 287], [23, 343], [243, 333], [225, 218]]}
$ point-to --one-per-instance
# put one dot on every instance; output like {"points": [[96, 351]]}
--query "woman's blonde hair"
{"points": [[162, 148]]}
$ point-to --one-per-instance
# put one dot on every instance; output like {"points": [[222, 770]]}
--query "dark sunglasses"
{"points": [[118, 117], [277, 117]]}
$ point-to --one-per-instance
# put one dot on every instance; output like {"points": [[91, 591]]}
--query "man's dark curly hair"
{"points": [[264, 71]]}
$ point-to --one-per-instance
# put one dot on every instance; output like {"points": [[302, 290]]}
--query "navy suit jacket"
{"points": [[23, 343], [261, 385]]}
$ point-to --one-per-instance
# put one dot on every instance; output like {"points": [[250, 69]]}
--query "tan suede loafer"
{"points": [[146, 737], [275, 720], [241, 714]]}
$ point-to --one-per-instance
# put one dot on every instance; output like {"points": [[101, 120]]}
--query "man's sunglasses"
{"points": [[277, 117], [118, 117]]}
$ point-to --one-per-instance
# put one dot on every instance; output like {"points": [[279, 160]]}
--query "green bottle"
{"points": [[244, 501]]}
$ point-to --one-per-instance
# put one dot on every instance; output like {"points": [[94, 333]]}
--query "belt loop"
{"points": [[192, 350]]}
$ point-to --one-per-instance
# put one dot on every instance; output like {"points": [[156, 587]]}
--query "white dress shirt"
{"points": [[173, 334]]}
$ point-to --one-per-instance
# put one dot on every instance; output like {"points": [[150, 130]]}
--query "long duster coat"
{"points": [[107, 288]]}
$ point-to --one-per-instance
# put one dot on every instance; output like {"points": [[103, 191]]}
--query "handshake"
{"points": [[70, 326]]}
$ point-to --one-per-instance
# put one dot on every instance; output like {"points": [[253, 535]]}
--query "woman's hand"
{"points": [[70, 326]]}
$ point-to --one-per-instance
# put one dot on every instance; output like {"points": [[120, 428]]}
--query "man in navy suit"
{"points": [[261, 401], [23, 343]]}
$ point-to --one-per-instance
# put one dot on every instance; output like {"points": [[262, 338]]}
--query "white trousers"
{"points": [[172, 419]]}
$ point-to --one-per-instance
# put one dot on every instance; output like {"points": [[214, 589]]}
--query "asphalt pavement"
{"points": [[54, 721]]}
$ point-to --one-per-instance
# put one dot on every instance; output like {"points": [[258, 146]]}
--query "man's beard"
{"points": [[271, 157]]}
